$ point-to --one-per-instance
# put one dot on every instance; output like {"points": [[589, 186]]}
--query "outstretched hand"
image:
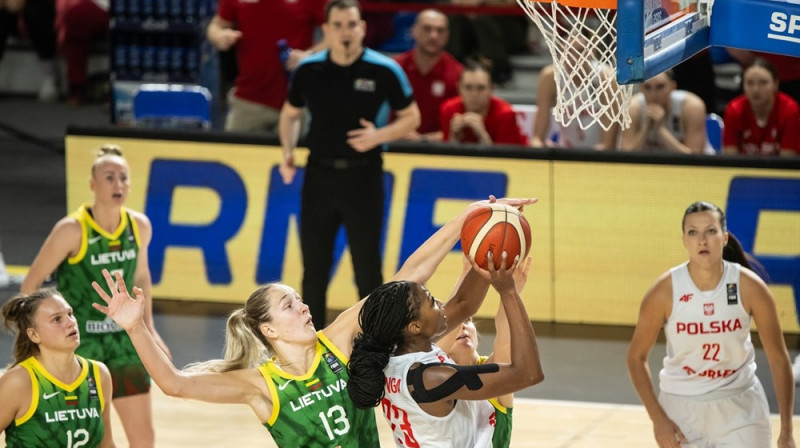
{"points": [[125, 310], [521, 273], [518, 203], [501, 278]]}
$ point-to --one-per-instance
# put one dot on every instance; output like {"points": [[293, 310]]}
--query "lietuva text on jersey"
{"points": [[71, 414], [113, 257], [312, 397]]}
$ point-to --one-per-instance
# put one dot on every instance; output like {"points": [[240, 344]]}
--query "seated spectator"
{"points": [[433, 72], [487, 37], [787, 67], [78, 24], [573, 135], [763, 121], [38, 17], [666, 119], [478, 116], [255, 29]]}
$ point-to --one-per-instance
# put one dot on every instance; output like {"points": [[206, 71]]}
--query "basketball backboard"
{"points": [[655, 35]]}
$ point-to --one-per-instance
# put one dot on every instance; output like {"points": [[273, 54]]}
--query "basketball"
{"points": [[496, 228]]}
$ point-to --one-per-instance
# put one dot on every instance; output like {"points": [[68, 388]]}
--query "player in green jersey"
{"points": [[298, 393], [51, 398], [462, 347], [105, 235]]}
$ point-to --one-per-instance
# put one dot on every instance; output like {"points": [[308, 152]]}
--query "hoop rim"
{"points": [[593, 4]]}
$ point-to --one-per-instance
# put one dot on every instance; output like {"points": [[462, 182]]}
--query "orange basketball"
{"points": [[498, 228]]}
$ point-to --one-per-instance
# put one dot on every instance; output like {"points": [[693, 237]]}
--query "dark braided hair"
{"points": [[383, 319], [733, 251]]}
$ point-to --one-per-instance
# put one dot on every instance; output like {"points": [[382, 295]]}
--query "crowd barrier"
{"points": [[606, 226]]}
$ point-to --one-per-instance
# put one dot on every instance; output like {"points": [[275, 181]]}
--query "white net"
{"points": [[583, 43]]}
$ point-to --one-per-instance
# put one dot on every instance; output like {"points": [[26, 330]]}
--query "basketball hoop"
{"points": [[582, 38]]}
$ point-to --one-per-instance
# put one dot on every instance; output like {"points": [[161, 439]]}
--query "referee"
{"points": [[348, 90]]}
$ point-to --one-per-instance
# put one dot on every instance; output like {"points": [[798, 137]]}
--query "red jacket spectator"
{"points": [[743, 131], [500, 122], [433, 88], [255, 27]]}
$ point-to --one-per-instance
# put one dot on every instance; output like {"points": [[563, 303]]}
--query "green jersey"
{"points": [[314, 410], [61, 415], [501, 420], [501, 438], [117, 252]]}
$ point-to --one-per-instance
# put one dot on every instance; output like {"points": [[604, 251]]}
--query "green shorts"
{"points": [[116, 351]]}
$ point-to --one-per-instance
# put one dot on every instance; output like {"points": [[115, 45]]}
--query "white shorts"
{"points": [[738, 420]]}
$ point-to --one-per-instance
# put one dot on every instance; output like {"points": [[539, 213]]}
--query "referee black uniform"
{"points": [[342, 185]]}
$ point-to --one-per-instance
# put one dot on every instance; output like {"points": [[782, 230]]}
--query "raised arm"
{"points": [[63, 242], [653, 313], [525, 368], [239, 386], [418, 268], [757, 297], [142, 278], [501, 349]]}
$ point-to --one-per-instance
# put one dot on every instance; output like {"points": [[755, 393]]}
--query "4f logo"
{"points": [[685, 298]]}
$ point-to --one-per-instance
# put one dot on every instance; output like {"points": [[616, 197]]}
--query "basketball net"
{"points": [[583, 43]]}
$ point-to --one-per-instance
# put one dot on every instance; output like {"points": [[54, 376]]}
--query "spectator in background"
{"points": [[346, 90], [572, 135], [38, 17], [787, 67], [763, 121], [666, 119], [432, 72], [483, 36], [261, 84], [78, 24], [477, 116]]}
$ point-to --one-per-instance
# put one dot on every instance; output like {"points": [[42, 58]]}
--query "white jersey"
{"points": [[572, 135], [708, 337], [673, 122], [467, 425]]}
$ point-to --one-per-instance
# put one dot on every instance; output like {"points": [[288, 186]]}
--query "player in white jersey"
{"points": [[710, 395], [462, 346], [429, 400], [665, 119]]}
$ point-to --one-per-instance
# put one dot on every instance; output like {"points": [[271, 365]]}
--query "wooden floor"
{"points": [[537, 423]]}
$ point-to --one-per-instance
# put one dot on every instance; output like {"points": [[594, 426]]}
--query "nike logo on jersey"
{"points": [[49, 396], [95, 239], [283, 386]]}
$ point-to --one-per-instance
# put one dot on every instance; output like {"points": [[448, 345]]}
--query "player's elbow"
{"points": [[535, 377]]}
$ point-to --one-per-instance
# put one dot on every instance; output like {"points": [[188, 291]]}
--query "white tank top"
{"points": [[673, 122], [572, 135], [467, 425], [708, 337]]}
